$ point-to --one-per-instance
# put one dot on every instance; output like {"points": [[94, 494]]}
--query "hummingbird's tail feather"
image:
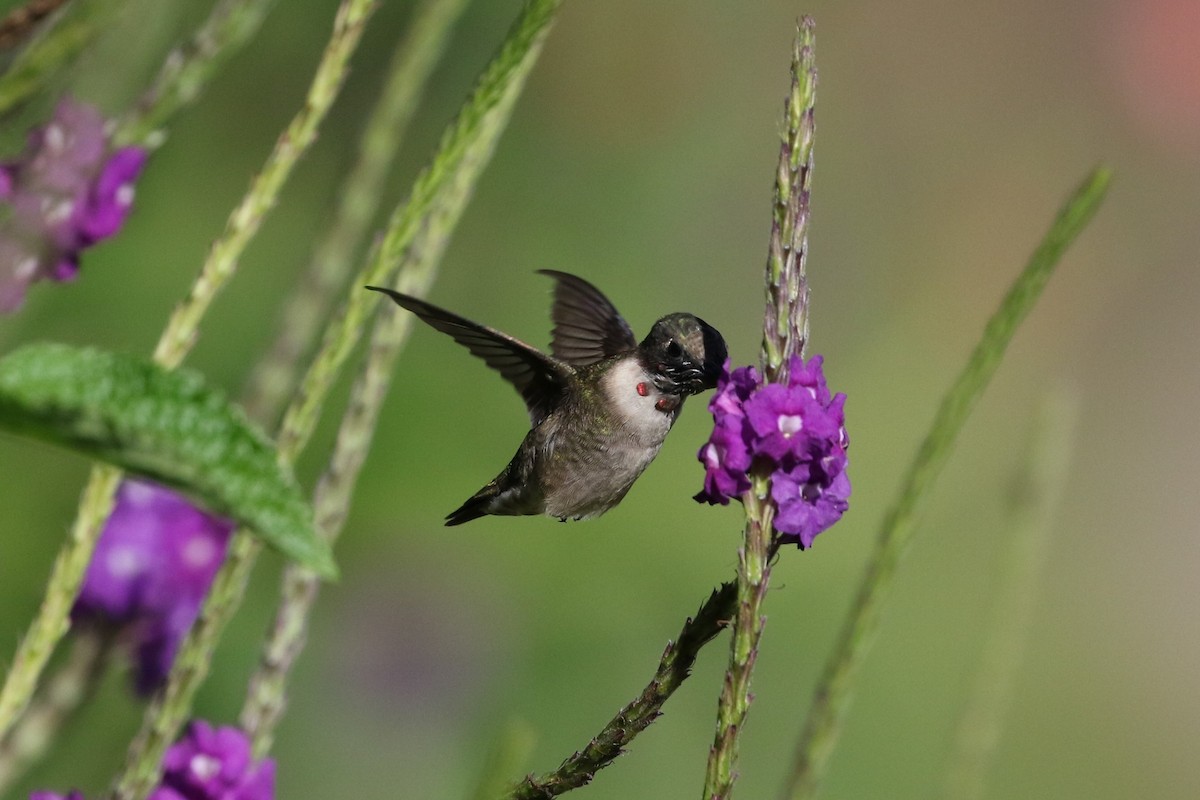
{"points": [[478, 505]]}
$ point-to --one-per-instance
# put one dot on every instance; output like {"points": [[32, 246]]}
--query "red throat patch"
{"points": [[667, 403]]}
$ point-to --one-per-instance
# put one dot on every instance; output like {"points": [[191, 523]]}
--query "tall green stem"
{"points": [[420, 257], [274, 377], [785, 331], [343, 331], [171, 707], [264, 190], [52, 622], [173, 704], [53, 617]]}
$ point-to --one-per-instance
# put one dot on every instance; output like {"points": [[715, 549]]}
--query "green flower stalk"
{"points": [[167, 713], [785, 332], [53, 620], [274, 378], [456, 146], [264, 190], [785, 321], [172, 706], [456, 167], [177, 339]]}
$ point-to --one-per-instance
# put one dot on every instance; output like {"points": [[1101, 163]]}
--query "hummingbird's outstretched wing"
{"points": [[587, 327], [539, 378]]}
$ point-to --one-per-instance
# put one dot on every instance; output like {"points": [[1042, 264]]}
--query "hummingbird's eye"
{"points": [[673, 349]]}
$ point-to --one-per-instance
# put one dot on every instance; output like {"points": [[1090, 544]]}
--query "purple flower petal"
{"points": [[151, 571], [786, 420], [733, 389], [796, 430], [18, 267], [808, 503], [108, 203], [722, 478], [726, 456], [165, 793], [810, 376], [64, 193], [215, 764]]}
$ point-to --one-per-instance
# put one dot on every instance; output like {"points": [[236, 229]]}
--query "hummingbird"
{"points": [[599, 406]]}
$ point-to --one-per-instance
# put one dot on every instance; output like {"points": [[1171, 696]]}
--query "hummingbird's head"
{"points": [[684, 353]]}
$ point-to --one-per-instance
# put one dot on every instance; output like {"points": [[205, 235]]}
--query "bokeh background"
{"points": [[641, 157]]}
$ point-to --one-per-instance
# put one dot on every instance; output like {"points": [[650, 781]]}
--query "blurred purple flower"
{"points": [[206, 764], [166, 793], [795, 432], [66, 192], [150, 573], [214, 764]]}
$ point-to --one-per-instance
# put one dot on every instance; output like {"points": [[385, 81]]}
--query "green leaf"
{"points": [[166, 425]]}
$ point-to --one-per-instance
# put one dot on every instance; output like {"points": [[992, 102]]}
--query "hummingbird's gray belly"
{"points": [[582, 459], [589, 474], [588, 483]]}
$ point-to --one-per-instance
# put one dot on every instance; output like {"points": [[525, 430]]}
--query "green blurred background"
{"points": [[641, 157]]}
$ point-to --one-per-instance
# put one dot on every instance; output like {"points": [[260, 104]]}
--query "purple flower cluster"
{"points": [[150, 573], [795, 432], [206, 764], [214, 764], [66, 192]]}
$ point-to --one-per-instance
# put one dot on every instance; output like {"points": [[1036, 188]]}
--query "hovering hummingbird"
{"points": [[600, 406]]}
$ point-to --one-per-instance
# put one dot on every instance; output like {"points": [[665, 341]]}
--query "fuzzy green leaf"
{"points": [[169, 426]]}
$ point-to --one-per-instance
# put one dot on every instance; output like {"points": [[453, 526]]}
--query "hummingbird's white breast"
{"points": [[646, 413]]}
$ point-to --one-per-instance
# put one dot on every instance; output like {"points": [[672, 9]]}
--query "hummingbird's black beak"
{"points": [[715, 355]]}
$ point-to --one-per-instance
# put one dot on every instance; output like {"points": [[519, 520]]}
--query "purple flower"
{"points": [[206, 764], [67, 191], [788, 421], [726, 455], [811, 376], [796, 433], [150, 573], [108, 202], [214, 764], [808, 501]]}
